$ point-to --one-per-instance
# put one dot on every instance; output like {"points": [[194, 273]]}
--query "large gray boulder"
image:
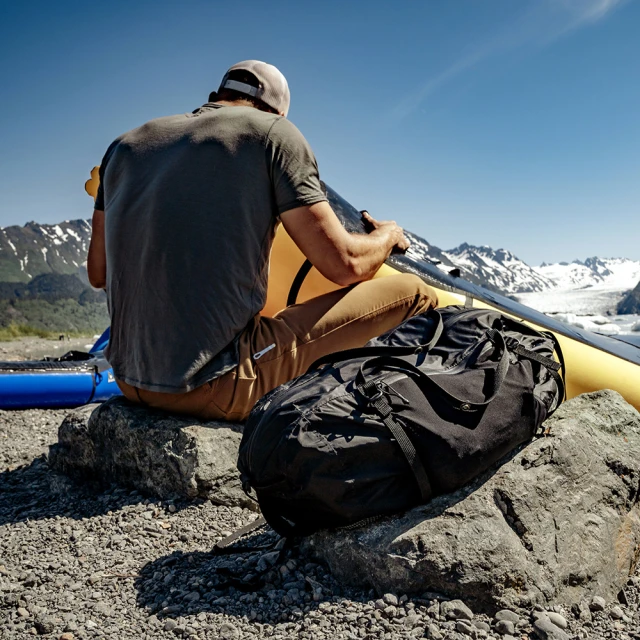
{"points": [[155, 452], [559, 522]]}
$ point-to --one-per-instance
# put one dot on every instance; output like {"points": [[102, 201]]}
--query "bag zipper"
{"points": [[257, 356]]}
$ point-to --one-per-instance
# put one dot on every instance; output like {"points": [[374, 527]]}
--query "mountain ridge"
{"points": [[35, 250]]}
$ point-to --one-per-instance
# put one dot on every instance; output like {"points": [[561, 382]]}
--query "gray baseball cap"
{"points": [[273, 89]]}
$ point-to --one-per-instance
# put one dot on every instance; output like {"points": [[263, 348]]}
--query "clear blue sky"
{"points": [[512, 124]]}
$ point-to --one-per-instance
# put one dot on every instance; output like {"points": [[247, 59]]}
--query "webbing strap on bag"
{"points": [[222, 547], [463, 405], [363, 352], [377, 400], [550, 364]]}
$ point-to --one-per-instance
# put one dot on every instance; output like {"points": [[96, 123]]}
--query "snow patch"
{"points": [[601, 273], [590, 324]]}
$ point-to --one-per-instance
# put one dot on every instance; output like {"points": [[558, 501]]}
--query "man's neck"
{"points": [[235, 103]]}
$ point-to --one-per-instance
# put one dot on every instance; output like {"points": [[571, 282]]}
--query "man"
{"points": [[182, 231]]}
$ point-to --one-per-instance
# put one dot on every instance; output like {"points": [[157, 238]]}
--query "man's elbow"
{"points": [[347, 273], [97, 280]]}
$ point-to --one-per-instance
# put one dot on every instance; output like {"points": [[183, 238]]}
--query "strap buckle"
{"points": [[364, 389]]}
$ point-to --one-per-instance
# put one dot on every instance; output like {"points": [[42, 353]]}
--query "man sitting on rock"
{"points": [[183, 226]]}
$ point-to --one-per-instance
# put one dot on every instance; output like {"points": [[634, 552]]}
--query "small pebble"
{"points": [[456, 610], [557, 619], [228, 632], [616, 613], [389, 598], [433, 633], [507, 614], [504, 627], [45, 625], [546, 630], [390, 611], [465, 627]]}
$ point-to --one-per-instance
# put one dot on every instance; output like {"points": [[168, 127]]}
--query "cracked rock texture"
{"points": [[557, 523], [152, 451]]}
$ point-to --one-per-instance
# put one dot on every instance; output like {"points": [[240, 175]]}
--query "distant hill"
{"points": [[43, 280], [611, 273], [34, 249], [500, 269]]}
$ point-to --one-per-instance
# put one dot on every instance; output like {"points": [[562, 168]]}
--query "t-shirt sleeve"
{"points": [[99, 203], [294, 171]]}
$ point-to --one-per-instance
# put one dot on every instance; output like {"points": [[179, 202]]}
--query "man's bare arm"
{"points": [[342, 257], [97, 258]]}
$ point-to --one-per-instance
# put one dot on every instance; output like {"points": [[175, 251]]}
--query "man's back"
{"points": [[191, 205], [188, 207]]}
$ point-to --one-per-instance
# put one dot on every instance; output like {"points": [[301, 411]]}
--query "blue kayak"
{"points": [[72, 380]]}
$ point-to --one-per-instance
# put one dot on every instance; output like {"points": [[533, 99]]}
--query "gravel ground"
{"points": [[37, 348], [86, 562]]}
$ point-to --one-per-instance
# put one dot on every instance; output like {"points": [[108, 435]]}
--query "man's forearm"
{"points": [[96, 259], [342, 257]]}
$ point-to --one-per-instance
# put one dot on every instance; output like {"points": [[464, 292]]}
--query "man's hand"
{"points": [[387, 228]]}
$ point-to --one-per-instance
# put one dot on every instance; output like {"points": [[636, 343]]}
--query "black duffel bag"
{"points": [[418, 412]]}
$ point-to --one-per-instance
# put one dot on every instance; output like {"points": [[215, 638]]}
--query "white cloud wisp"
{"points": [[544, 22]]}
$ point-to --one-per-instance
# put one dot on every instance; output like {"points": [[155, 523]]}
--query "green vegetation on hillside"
{"points": [[59, 316], [54, 304], [15, 331]]}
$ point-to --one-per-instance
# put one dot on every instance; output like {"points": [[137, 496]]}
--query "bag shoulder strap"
{"points": [[223, 547], [459, 403], [365, 352], [377, 400]]}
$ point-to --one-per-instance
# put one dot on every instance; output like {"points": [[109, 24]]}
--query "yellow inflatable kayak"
{"points": [[592, 361]]}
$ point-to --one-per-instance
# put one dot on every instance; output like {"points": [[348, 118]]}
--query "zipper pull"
{"points": [[257, 356]]}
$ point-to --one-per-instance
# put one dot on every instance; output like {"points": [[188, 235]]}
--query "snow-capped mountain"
{"points": [[609, 273], [501, 269], [35, 249], [596, 285]]}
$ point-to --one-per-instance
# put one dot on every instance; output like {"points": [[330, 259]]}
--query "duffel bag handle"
{"points": [[363, 352], [463, 405]]}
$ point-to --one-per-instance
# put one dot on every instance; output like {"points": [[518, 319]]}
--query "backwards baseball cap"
{"points": [[272, 87]]}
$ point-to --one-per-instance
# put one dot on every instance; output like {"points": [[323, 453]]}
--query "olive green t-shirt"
{"points": [[191, 205]]}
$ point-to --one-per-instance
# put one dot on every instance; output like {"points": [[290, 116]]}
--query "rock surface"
{"points": [[152, 451], [631, 302], [558, 523], [105, 562]]}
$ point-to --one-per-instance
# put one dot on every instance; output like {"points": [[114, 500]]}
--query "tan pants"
{"points": [[300, 334]]}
